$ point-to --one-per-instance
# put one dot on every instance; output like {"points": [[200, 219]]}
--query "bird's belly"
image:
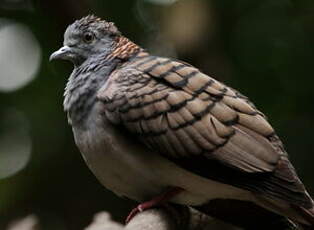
{"points": [[132, 170]]}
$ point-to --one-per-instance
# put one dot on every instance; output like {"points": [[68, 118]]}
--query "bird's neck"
{"points": [[81, 90], [86, 79], [124, 49]]}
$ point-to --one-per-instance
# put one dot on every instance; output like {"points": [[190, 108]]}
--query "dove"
{"points": [[158, 130]]}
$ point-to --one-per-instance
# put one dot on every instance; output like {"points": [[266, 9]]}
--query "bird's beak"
{"points": [[64, 52]]}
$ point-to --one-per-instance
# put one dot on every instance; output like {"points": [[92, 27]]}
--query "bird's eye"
{"points": [[88, 37]]}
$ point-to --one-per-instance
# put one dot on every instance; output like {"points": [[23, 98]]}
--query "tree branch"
{"points": [[176, 218], [30, 222]]}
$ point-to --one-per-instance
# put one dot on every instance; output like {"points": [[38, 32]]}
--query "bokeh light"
{"points": [[185, 28], [15, 143], [20, 55], [162, 2]]}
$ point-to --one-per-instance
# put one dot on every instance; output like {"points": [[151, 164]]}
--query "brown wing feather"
{"points": [[201, 124], [181, 112]]}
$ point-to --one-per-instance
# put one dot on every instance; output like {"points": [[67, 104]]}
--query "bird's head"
{"points": [[87, 38]]}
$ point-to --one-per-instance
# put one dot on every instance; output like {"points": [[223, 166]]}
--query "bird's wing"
{"points": [[200, 124]]}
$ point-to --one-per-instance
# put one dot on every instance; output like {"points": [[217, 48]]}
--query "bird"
{"points": [[158, 130]]}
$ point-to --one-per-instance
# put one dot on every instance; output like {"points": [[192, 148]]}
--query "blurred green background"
{"points": [[264, 48]]}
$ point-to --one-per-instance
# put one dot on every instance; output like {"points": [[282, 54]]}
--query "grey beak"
{"points": [[64, 52]]}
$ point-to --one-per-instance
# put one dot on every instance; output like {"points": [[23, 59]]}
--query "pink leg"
{"points": [[156, 201]]}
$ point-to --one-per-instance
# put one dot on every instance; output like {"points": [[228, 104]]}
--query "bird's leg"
{"points": [[156, 201]]}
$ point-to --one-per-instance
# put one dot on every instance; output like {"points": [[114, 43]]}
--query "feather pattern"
{"points": [[186, 115]]}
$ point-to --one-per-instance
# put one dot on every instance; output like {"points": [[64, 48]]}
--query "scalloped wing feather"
{"points": [[182, 113], [196, 117]]}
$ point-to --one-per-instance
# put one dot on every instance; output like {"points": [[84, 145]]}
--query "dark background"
{"points": [[265, 49]]}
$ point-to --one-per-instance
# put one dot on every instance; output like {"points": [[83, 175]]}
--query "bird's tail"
{"points": [[307, 214], [245, 214]]}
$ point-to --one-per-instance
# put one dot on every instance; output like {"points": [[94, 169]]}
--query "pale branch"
{"points": [[174, 218], [30, 222], [178, 218]]}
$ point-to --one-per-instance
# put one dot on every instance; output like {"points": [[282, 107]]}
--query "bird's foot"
{"points": [[155, 202]]}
